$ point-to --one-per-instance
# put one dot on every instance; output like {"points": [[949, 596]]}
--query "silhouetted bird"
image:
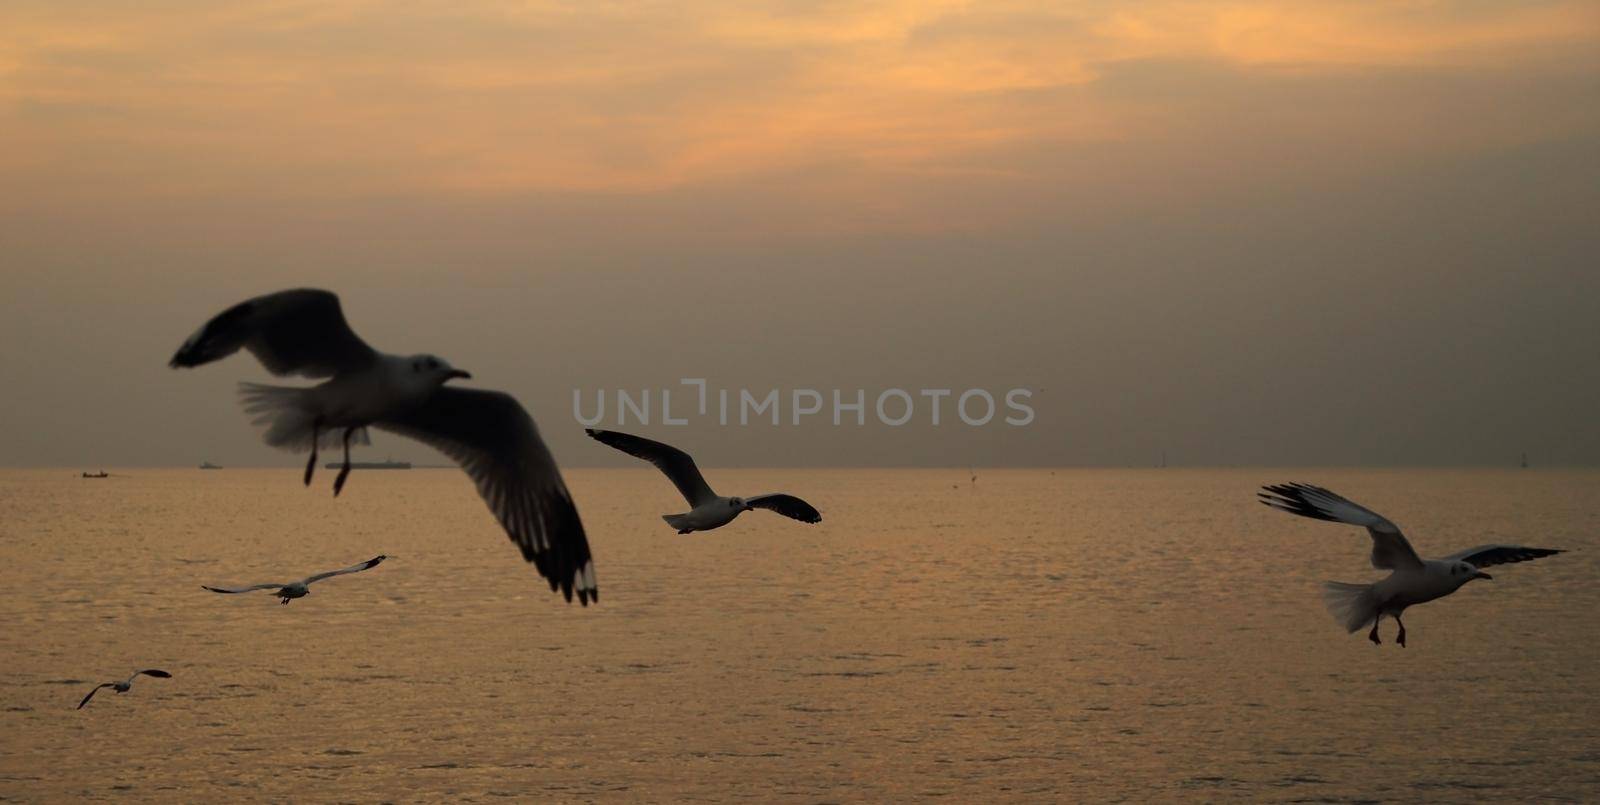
{"points": [[298, 589], [303, 332], [710, 509], [123, 686]]}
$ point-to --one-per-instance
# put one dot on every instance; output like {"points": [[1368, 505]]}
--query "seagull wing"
{"points": [[490, 435], [232, 590], [678, 465], [788, 506], [299, 332], [1486, 555], [93, 692], [373, 562], [1390, 549], [155, 672]]}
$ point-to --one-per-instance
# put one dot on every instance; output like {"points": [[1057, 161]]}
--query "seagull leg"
{"points": [[344, 472], [316, 431], [1400, 638], [1373, 635]]}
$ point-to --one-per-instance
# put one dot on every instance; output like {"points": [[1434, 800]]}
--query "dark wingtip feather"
{"points": [[187, 357], [211, 342], [1291, 498]]}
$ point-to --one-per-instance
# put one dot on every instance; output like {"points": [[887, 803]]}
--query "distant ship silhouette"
{"points": [[386, 464], [100, 474], [206, 465]]}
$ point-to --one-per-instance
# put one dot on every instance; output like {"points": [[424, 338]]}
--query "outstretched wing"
{"points": [[678, 465], [788, 506], [1390, 549], [93, 692], [495, 441], [373, 562], [233, 590], [299, 332], [1486, 555], [155, 672]]}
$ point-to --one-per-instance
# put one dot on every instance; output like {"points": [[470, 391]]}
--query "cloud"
{"points": [[350, 99]]}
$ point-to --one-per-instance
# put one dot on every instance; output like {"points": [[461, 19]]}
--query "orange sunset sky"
{"points": [[936, 193]]}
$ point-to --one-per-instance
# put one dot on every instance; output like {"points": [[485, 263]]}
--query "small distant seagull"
{"points": [[710, 509], [303, 332], [1414, 581], [301, 588], [123, 686]]}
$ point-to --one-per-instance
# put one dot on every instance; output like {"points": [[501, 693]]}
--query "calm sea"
{"points": [[1036, 636]]}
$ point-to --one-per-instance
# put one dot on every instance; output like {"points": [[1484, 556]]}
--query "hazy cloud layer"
{"points": [[1270, 232]]}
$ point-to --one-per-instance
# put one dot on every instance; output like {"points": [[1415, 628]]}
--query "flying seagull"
{"points": [[1414, 580], [303, 332], [710, 509], [124, 685], [301, 588]]}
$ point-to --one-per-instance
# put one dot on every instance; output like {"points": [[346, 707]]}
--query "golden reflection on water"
{"points": [[1040, 635]]}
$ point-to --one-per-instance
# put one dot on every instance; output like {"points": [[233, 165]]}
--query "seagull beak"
{"points": [[464, 375], [1482, 575]]}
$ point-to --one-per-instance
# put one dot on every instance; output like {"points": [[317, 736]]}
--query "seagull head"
{"points": [[738, 503], [1467, 571], [436, 369]]}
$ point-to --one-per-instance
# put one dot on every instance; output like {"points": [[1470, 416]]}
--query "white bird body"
{"points": [[358, 399], [349, 401], [714, 513], [1409, 587], [1413, 580]]}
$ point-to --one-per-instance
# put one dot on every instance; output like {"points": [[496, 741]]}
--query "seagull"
{"points": [[303, 332], [123, 686], [710, 509], [1414, 580], [298, 589]]}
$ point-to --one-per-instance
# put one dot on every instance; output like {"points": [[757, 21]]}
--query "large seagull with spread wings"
{"points": [[710, 510], [303, 332], [1414, 581]]}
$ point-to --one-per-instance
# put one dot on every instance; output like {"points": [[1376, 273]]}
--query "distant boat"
{"points": [[100, 474], [206, 465], [386, 464], [1524, 460]]}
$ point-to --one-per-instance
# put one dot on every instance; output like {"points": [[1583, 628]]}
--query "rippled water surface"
{"points": [[1139, 635]]}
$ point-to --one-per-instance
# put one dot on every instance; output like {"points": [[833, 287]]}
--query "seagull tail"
{"points": [[1353, 605], [288, 415], [678, 521]]}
